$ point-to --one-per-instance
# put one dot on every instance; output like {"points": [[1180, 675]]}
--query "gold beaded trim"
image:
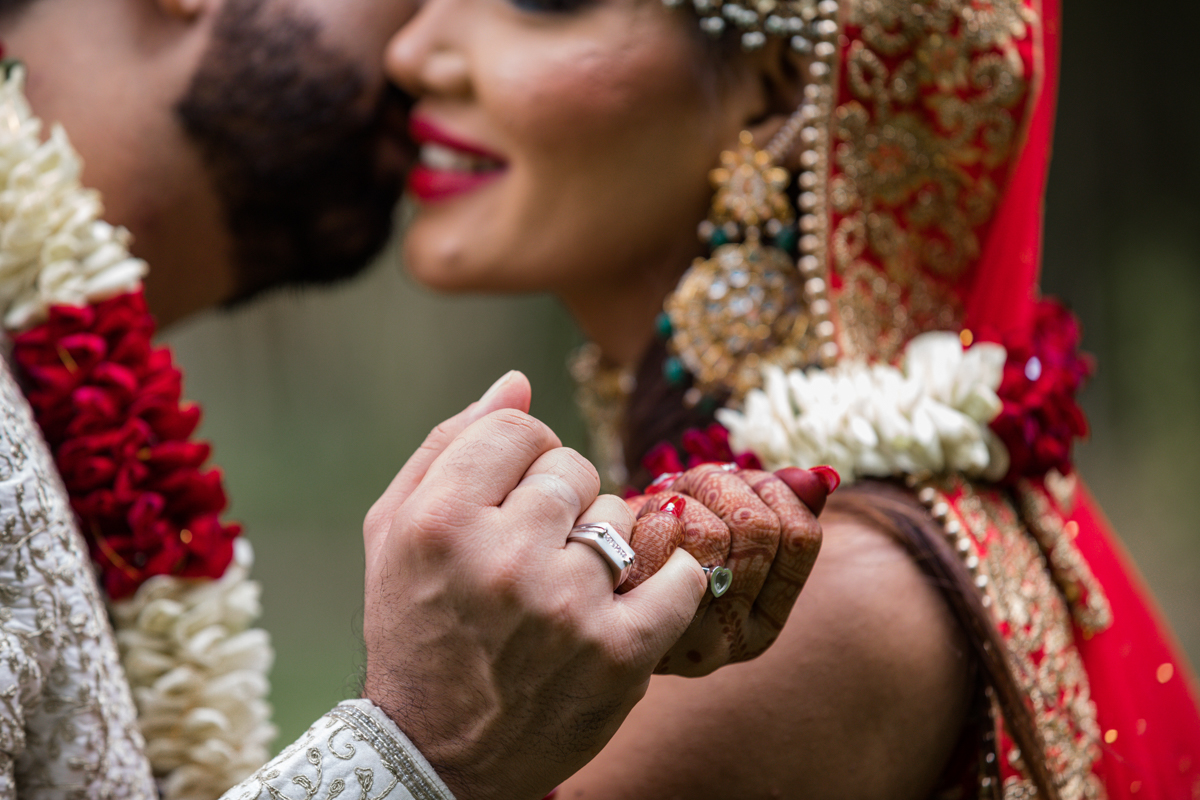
{"points": [[813, 180], [1018, 584]]}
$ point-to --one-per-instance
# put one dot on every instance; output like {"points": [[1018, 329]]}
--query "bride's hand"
{"points": [[761, 526]]}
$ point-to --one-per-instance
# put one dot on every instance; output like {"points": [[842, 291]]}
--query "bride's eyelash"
{"points": [[550, 6]]}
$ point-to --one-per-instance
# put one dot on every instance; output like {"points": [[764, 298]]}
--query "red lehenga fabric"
{"points": [[1144, 692]]}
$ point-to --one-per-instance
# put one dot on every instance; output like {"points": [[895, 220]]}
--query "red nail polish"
{"points": [[663, 482], [675, 505], [829, 476]]}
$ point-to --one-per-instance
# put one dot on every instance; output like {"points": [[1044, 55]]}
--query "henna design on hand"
{"points": [[705, 536], [763, 527], [798, 548], [656, 535], [753, 528]]}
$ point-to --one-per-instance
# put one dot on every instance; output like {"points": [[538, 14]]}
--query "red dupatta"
{"points": [[940, 135], [1143, 689]]}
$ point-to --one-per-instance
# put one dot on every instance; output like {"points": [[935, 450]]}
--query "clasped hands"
{"points": [[501, 651]]}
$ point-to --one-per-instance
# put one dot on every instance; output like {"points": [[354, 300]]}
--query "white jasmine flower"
{"points": [[54, 249], [196, 667], [928, 417], [198, 672]]}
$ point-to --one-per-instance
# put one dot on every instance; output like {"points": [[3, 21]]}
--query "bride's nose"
{"points": [[428, 56]]}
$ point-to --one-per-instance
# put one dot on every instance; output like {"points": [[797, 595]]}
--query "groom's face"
{"points": [[303, 137], [245, 143]]}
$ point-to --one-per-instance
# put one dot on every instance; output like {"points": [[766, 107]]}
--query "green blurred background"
{"points": [[315, 400]]}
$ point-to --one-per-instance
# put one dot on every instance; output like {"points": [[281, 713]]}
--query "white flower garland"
{"points": [[54, 248], [197, 668], [874, 420], [198, 674]]}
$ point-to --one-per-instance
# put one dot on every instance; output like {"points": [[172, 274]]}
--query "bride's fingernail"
{"points": [[675, 505], [495, 387], [829, 476]]}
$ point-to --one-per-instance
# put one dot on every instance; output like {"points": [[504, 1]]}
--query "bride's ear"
{"points": [[779, 74]]}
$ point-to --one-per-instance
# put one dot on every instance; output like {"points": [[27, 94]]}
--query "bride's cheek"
{"points": [[597, 95]]}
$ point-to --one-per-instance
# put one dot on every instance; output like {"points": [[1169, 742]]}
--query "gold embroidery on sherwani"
{"points": [[938, 91], [68, 725], [1019, 587]]}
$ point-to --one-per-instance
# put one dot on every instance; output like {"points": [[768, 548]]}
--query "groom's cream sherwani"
{"points": [[68, 723]]}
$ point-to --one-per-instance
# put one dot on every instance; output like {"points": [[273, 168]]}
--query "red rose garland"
{"points": [[708, 445], [108, 403]]}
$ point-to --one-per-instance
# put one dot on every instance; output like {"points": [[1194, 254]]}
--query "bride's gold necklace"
{"points": [[602, 393]]}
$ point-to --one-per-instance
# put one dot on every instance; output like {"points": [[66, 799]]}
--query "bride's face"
{"points": [[565, 142]]}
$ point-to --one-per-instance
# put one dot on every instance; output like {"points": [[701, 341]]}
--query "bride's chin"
{"points": [[434, 258], [444, 267], [439, 254]]}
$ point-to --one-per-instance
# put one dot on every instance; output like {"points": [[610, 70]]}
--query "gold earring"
{"points": [[744, 306]]}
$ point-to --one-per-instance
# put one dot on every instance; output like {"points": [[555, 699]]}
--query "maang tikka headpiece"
{"points": [[807, 22]]}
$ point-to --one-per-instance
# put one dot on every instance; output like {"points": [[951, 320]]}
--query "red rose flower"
{"points": [[709, 445], [1045, 370]]}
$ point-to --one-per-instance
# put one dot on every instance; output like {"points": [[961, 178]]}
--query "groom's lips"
{"points": [[448, 166]]}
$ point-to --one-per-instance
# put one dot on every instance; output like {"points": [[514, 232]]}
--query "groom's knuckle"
{"points": [[518, 427], [580, 472], [430, 526], [505, 575], [559, 611], [440, 433], [437, 438]]}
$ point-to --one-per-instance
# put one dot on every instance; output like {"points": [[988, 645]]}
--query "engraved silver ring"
{"points": [[604, 539]]}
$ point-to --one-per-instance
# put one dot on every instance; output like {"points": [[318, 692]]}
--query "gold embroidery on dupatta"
{"points": [[1015, 581], [1089, 605], [937, 94]]}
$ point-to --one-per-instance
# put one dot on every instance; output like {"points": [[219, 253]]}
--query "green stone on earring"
{"points": [[719, 237], [787, 239], [663, 326], [674, 371]]}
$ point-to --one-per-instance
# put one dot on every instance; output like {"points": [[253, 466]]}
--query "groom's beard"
{"points": [[307, 165]]}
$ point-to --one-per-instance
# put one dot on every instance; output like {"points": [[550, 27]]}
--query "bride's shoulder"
{"points": [[869, 596]]}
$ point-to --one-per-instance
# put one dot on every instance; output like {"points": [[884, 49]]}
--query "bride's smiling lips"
{"points": [[447, 165]]}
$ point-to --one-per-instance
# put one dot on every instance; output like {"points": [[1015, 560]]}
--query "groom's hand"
{"points": [[499, 649]]}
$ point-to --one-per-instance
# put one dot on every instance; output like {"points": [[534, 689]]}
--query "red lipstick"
{"points": [[448, 165]]}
